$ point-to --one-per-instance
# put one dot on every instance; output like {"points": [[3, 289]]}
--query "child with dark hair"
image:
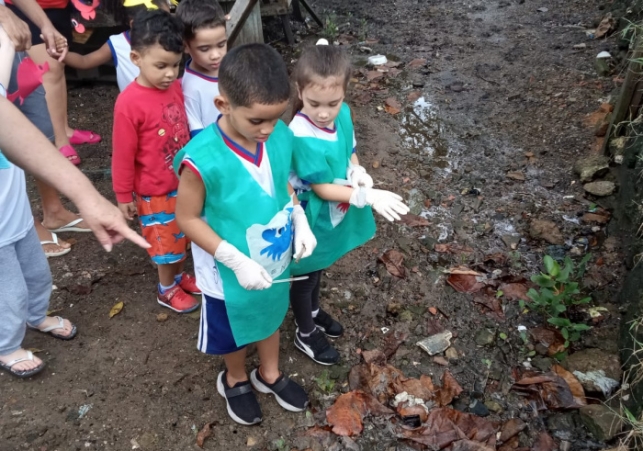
{"points": [[117, 48], [150, 127], [205, 40], [236, 173], [337, 191]]}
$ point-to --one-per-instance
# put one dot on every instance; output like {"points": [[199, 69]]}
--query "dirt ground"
{"points": [[486, 88]]}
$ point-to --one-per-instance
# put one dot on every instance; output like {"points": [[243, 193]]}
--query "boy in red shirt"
{"points": [[150, 127]]}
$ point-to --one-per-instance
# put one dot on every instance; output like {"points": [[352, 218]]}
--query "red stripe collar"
{"points": [[239, 150], [324, 129]]}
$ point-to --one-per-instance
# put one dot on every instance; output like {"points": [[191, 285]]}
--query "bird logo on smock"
{"points": [[280, 240]]}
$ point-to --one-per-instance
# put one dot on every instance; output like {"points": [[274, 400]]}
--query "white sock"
{"points": [[164, 288], [306, 335], [315, 312]]}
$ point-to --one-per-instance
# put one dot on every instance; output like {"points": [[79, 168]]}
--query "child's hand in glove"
{"points": [[386, 203], [358, 177], [250, 274], [305, 241]]}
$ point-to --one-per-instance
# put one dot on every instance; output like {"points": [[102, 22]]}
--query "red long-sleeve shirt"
{"points": [[150, 127]]}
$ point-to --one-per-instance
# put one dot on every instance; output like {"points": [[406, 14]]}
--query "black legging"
{"points": [[304, 299]]}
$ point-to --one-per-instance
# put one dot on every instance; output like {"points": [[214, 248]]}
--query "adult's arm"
{"points": [[17, 29], [49, 34], [26, 147]]}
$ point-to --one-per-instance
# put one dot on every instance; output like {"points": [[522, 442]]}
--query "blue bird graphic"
{"points": [[178, 236], [161, 218], [147, 199], [280, 241], [171, 195]]}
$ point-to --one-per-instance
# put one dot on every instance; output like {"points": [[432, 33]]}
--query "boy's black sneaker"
{"points": [[328, 325], [288, 393], [316, 347], [242, 403]]}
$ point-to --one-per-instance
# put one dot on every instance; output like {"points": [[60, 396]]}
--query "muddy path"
{"points": [[492, 98]]}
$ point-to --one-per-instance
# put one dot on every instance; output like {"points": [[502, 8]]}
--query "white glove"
{"points": [[357, 175], [250, 274], [305, 241], [386, 203]]}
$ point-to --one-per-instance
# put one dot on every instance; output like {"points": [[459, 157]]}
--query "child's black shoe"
{"points": [[328, 325], [288, 393], [242, 403], [316, 347]]}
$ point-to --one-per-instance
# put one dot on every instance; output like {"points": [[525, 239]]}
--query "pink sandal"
{"points": [[84, 137], [70, 153]]}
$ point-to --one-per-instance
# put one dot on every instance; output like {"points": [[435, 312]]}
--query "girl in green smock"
{"points": [[337, 192]]}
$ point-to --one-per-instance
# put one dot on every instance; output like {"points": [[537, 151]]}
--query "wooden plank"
{"points": [[275, 8], [241, 10], [311, 12]]}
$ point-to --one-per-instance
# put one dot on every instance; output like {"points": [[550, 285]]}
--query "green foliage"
{"points": [[557, 291], [324, 382], [331, 27]]}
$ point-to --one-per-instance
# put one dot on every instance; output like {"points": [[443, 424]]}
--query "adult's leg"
{"points": [[56, 92], [14, 307]]}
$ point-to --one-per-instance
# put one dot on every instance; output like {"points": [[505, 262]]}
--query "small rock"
{"points": [[580, 46], [494, 406], [161, 317], [251, 441], [511, 241], [435, 344], [451, 353], [485, 337], [440, 360], [394, 308], [600, 189], [562, 421], [478, 408], [589, 168], [601, 421], [587, 364], [546, 230]]}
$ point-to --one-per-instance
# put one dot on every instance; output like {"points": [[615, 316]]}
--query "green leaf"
{"points": [[551, 266], [630, 416], [502, 335], [560, 308], [565, 333], [543, 280], [566, 271], [581, 327], [499, 293], [566, 344], [531, 353], [559, 322]]}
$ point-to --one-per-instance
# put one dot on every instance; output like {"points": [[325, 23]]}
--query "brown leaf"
{"points": [[514, 291], [116, 309], [550, 338], [417, 62], [470, 445], [393, 342], [374, 75], [420, 388], [406, 411], [413, 96], [412, 220], [362, 98], [516, 175], [449, 390], [464, 283], [593, 217], [498, 258], [546, 390], [544, 442], [440, 360], [605, 26], [204, 434], [433, 311], [574, 385], [394, 262], [392, 106], [374, 356], [463, 270], [492, 303], [445, 426], [393, 63], [452, 248], [346, 415], [511, 428], [392, 72]]}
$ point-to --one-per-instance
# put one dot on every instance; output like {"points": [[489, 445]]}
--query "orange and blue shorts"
{"points": [[156, 215]]}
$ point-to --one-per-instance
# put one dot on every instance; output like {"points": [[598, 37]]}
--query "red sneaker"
{"points": [[188, 283], [178, 300]]}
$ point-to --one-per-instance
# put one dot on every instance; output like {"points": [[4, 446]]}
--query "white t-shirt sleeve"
{"points": [[193, 110]]}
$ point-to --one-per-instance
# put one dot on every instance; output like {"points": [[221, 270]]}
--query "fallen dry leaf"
{"points": [[412, 220], [493, 304], [445, 426], [440, 360], [392, 106], [605, 26], [463, 270], [413, 96], [374, 356], [390, 63], [514, 291], [515, 175], [546, 390], [511, 428], [408, 412], [498, 259], [452, 248], [394, 262], [116, 309], [346, 414], [362, 98], [550, 338], [204, 434], [420, 388], [374, 75], [417, 62], [574, 385], [449, 390], [544, 442], [464, 283], [393, 342]]}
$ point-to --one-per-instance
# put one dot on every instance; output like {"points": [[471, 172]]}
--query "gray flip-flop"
{"points": [[26, 373], [60, 325]]}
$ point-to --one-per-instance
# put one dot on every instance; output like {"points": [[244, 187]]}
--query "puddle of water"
{"points": [[421, 129]]}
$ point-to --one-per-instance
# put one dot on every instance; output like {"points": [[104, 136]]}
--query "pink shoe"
{"points": [[188, 283], [70, 153], [84, 137]]}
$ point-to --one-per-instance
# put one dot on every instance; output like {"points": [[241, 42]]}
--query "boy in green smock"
{"points": [[235, 202]]}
